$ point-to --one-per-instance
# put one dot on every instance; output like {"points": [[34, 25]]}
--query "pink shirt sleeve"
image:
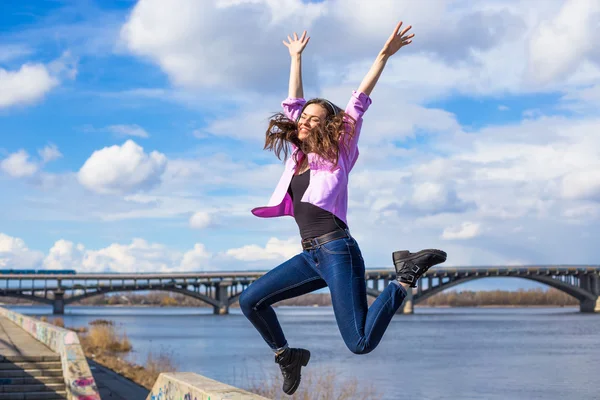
{"points": [[292, 107], [359, 103]]}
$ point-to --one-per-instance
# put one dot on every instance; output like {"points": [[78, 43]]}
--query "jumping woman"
{"points": [[322, 140]]}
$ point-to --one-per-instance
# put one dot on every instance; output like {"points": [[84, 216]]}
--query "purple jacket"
{"points": [[328, 187]]}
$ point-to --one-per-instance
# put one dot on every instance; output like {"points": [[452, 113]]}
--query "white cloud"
{"points": [[436, 197], [65, 255], [18, 165], [582, 185], [21, 165], [32, 81], [15, 254], [49, 153], [128, 130], [197, 259], [138, 256], [275, 249], [204, 43], [583, 212], [200, 220], [197, 44], [558, 46], [467, 230], [122, 169]]}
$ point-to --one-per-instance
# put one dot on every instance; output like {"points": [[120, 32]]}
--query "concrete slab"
{"points": [[14, 341]]}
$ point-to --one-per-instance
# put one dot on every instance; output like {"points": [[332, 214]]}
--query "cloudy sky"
{"points": [[131, 133]]}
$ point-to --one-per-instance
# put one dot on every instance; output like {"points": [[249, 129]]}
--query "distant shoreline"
{"points": [[276, 306], [447, 299]]}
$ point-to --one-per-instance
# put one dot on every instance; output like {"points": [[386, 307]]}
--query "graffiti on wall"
{"points": [[76, 370], [172, 391], [88, 397], [84, 382]]}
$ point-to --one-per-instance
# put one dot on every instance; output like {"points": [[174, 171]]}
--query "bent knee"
{"points": [[246, 302], [360, 349]]}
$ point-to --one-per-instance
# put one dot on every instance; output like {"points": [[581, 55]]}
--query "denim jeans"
{"points": [[338, 265]]}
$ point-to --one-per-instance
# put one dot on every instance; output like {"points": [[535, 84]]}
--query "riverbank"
{"points": [[494, 298], [107, 346]]}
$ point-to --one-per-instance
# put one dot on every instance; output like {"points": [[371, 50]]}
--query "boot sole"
{"points": [[440, 253], [304, 362]]}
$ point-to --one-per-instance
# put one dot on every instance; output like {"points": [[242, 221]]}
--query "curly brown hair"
{"points": [[324, 141]]}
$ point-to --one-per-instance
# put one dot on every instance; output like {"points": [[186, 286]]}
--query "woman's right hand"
{"points": [[296, 46]]}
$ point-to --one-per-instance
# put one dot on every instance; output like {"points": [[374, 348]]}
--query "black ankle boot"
{"points": [[411, 266], [290, 362]]}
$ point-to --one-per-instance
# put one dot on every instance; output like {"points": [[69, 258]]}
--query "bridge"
{"points": [[222, 289]]}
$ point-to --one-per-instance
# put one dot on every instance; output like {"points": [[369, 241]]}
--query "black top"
{"points": [[312, 221]]}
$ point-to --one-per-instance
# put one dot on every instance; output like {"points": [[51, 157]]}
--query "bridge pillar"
{"points": [[222, 297], [592, 284], [407, 306], [590, 306], [58, 305]]}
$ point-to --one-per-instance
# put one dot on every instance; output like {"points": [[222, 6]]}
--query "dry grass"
{"points": [[105, 345], [101, 322], [105, 338], [156, 364], [316, 385]]}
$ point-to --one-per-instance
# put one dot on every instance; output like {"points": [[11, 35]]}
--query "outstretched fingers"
{"points": [[302, 39], [406, 30], [397, 28]]}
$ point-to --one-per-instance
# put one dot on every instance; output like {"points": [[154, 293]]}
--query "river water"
{"points": [[437, 353]]}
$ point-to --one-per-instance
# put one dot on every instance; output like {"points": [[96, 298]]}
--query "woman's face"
{"points": [[312, 116]]}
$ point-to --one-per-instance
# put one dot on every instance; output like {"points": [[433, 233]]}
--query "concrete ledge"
{"points": [[190, 386], [76, 371]]}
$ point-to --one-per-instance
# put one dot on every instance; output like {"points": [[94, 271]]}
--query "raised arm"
{"points": [[296, 46], [394, 43]]}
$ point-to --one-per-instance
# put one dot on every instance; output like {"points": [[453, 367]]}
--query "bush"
{"points": [[168, 301], [105, 338], [101, 322]]}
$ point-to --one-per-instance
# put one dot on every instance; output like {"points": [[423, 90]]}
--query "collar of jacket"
{"points": [[315, 162]]}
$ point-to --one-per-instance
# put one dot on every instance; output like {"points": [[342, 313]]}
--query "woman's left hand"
{"points": [[397, 41]]}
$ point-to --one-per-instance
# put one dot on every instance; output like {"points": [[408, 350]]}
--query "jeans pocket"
{"points": [[338, 246]]}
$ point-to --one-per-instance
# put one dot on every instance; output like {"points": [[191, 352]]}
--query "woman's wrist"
{"points": [[382, 56]]}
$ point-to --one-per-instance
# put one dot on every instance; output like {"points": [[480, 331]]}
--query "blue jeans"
{"points": [[338, 265]]}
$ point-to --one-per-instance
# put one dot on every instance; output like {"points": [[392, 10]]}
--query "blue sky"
{"points": [[131, 134]]}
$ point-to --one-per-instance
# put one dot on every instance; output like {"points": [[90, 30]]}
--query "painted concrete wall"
{"points": [[190, 386], [78, 377]]}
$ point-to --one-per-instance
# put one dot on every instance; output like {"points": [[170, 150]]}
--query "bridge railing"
{"points": [[222, 289]]}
